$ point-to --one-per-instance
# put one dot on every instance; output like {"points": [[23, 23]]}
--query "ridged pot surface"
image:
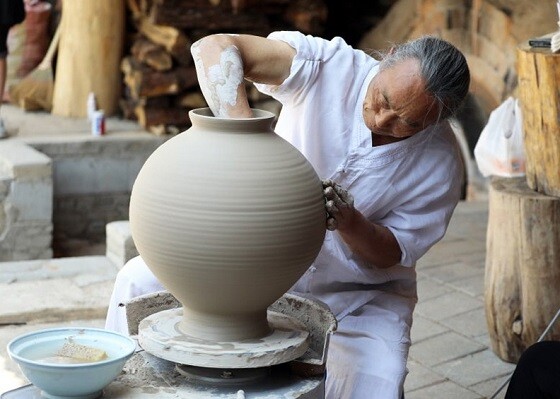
{"points": [[228, 216]]}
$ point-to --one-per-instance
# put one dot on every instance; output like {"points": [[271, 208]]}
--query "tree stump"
{"points": [[538, 76], [522, 266], [89, 56]]}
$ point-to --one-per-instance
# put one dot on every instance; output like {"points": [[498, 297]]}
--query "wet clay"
{"points": [[220, 82]]}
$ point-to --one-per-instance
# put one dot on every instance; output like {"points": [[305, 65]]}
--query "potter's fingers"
{"points": [[327, 183], [331, 207], [329, 193], [344, 195], [332, 224], [338, 202]]}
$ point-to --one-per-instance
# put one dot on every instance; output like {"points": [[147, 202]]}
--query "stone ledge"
{"points": [[55, 290], [20, 161]]}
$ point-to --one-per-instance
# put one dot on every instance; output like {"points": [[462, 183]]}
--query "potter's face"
{"points": [[396, 102]]}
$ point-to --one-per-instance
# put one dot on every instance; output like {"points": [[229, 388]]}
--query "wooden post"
{"points": [[89, 56], [539, 95], [522, 266]]}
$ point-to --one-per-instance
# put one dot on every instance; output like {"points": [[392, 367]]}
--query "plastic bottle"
{"points": [[91, 105]]}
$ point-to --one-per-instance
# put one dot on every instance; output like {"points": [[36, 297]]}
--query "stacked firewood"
{"points": [[159, 75]]}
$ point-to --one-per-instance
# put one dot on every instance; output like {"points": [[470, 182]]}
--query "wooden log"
{"points": [[172, 39], [202, 14], [89, 55], [522, 266], [151, 54], [539, 94], [143, 81], [149, 117], [308, 16], [191, 100]]}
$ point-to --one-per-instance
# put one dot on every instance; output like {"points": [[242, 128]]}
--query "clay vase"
{"points": [[228, 216]]}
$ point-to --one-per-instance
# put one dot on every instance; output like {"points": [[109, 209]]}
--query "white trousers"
{"points": [[366, 356]]}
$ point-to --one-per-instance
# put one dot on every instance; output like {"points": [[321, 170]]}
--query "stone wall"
{"points": [[26, 192], [92, 181], [56, 190]]}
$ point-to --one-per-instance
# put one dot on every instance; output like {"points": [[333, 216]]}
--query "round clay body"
{"points": [[228, 216]]}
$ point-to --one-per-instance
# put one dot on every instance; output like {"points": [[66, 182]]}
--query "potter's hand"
{"points": [[339, 204]]}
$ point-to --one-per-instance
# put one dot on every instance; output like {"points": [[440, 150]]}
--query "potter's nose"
{"points": [[384, 118]]}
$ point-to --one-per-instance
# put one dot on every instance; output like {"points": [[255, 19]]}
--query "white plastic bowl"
{"points": [[81, 380]]}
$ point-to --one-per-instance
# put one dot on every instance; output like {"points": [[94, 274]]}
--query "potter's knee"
{"points": [[135, 269]]}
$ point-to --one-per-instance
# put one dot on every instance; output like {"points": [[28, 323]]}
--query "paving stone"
{"points": [[489, 388], [443, 390], [474, 369], [447, 305], [55, 290], [53, 300], [420, 376], [473, 286], [449, 251], [443, 348], [428, 288], [42, 269], [423, 328], [471, 324], [453, 272]]}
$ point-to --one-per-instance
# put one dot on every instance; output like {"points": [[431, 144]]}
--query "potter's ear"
{"points": [[391, 50]]}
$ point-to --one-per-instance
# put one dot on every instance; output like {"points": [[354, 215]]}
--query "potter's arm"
{"points": [[223, 61], [373, 242]]}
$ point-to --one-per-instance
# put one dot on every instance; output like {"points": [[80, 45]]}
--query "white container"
{"points": [[91, 105], [98, 123]]}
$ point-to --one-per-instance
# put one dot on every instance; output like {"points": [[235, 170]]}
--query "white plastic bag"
{"points": [[499, 150]]}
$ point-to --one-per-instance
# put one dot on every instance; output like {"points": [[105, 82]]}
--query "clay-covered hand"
{"points": [[339, 204]]}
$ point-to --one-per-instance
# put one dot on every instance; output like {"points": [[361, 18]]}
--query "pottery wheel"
{"points": [[158, 335]]}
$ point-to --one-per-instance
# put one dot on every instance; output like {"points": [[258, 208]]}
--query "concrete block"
{"points": [[120, 245], [20, 161], [33, 198]]}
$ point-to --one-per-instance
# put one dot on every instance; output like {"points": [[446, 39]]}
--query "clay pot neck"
{"points": [[203, 118]]}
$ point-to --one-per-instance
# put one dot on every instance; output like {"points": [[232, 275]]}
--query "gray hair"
{"points": [[442, 66]]}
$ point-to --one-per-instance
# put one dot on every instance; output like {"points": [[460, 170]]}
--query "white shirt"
{"points": [[411, 186]]}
